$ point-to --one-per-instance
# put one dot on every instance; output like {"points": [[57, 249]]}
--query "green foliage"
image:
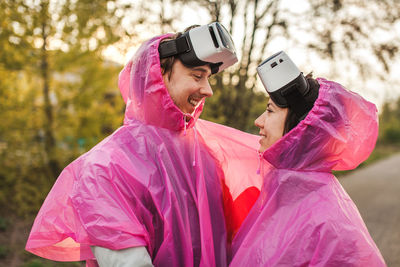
{"points": [[389, 135], [58, 98], [88, 109], [34, 263], [380, 152], [53, 96], [3, 224], [389, 132], [4, 251], [233, 104], [46, 263], [392, 135]]}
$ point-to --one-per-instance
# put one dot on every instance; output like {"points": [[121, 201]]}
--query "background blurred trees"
{"points": [[356, 40], [57, 92], [389, 129]]}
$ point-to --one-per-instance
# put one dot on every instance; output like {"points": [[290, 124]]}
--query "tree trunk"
{"points": [[53, 166]]}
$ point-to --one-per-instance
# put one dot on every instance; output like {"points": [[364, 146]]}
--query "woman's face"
{"points": [[188, 86], [271, 124]]}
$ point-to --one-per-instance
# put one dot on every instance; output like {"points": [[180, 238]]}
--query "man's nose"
{"points": [[206, 89]]}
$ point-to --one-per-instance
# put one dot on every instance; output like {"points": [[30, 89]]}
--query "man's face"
{"points": [[188, 86]]}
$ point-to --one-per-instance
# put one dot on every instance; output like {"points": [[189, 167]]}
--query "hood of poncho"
{"points": [[339, 133], [145, 94]]}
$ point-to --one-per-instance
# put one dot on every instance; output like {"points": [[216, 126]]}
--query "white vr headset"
{"points": [[285, 84], [208, 44]]}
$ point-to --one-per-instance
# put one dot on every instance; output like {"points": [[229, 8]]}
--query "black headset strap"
{"points": [[181, 46], [296, 101], [174, 47]]}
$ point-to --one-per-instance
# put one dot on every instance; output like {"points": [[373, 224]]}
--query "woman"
{"points": [[303, 216]]}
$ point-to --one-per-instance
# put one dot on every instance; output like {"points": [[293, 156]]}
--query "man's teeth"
{"points": [[193, 102]]}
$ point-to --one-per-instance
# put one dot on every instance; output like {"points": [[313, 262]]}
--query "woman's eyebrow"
{"points": [[272, 105]]}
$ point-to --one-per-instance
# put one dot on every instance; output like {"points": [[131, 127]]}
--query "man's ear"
{"points": [[168, 74], [167, 78]]}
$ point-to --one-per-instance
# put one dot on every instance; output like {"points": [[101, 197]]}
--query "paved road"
{"points": [[376, 191]]}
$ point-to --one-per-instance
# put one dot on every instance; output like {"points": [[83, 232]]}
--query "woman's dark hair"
{"points": [[291, 119], [168, 62]]}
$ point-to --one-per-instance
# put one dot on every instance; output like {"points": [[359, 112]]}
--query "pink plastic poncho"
{"points": [[152, 183], [303, 216]]}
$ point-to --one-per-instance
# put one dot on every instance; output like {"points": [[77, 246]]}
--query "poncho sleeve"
{"points": [[111, 217], [94, 202]]}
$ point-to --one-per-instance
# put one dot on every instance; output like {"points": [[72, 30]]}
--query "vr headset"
{"points": [[208, 44], [285, 84]]}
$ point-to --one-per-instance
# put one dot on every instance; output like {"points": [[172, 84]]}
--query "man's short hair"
{"points": [[168, 62]]}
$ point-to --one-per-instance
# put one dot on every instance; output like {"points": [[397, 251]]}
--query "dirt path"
{"points": [[376, 191]]}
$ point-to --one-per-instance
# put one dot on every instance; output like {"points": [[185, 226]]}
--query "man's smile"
{"points": [[194, 101]]}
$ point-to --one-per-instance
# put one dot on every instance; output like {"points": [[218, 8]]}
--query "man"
{"points": [[151, 193]]}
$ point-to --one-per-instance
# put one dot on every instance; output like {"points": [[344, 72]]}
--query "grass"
{"points": [[3, 252], [3, 224], [38, 262]]}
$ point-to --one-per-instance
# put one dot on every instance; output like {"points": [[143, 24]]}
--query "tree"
{"points": [[43, 37], [352, 37], [58, 91], [237, 102], [355, 34], [389, 130]]}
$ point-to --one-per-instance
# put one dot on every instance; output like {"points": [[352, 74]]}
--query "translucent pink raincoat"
{"points": [[303, 216], [152, 183]]}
